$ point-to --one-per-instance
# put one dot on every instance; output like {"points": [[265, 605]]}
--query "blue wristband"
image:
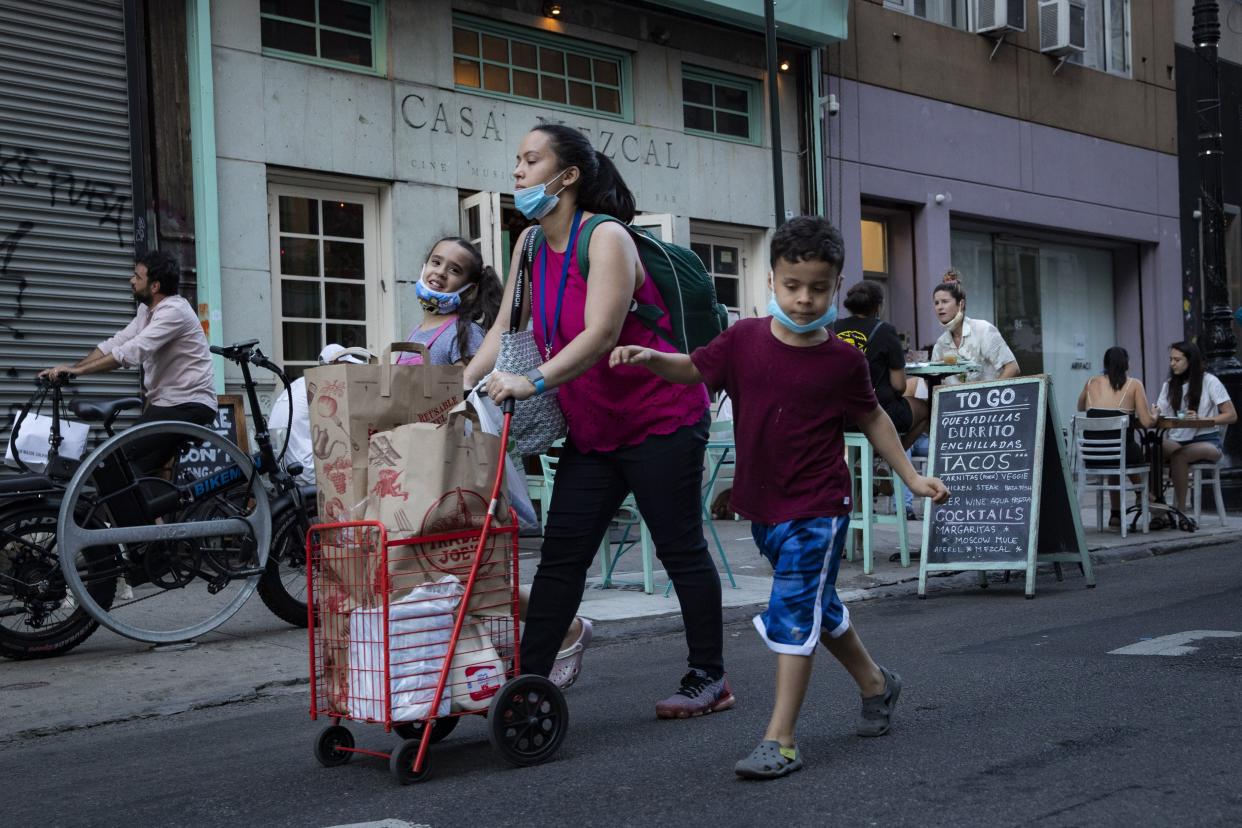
{"points": [[539, 386]]}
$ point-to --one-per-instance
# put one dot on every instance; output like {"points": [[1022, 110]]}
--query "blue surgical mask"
{"points": [[824, 321], [437, 302], [534, 202]]}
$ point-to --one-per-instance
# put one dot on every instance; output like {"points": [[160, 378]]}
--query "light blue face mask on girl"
{"points": [[434, 301], [534, 202], [824, 321]]}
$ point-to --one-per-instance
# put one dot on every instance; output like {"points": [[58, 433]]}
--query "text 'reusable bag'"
{"points": [[430, 479], [349, 403]]}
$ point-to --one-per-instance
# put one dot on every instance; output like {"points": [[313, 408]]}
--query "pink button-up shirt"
{"points": [[169, 343]]}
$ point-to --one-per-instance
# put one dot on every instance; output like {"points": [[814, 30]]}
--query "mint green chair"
{"points": [[860, 457]]}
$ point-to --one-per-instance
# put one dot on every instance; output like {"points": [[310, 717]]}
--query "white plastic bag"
{"points": [[420, 625], [492, 420], [34, 441]]}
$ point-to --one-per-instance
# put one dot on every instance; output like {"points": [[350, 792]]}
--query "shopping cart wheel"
{"points": [[401, 763], [527, 720], [328, 746], [439, 731]]}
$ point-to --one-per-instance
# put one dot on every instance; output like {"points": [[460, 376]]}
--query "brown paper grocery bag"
{"points": [[430, 479], [349, 403]]}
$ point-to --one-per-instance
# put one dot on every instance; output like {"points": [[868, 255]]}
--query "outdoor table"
{"points": [[933, 373], [1155, 439]]}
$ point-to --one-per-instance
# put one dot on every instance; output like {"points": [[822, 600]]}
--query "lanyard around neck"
{"points": [[549, 332]]}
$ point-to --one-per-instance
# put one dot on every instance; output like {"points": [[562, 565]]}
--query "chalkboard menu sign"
{"points": [[200, 461], [997, 448]]}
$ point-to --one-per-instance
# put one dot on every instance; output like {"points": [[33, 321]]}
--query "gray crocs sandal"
{"points": [[767, 762], [877, 711]]}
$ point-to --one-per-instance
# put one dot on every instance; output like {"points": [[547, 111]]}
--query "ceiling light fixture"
{"points": [[552, 10], [784, 65]]}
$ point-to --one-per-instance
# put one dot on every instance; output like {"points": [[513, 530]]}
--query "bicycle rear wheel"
{"points": [[283, 585], [39, 616], [189, 549]]}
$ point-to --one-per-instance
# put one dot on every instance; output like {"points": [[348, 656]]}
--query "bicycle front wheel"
{"points": [[187, 542]]}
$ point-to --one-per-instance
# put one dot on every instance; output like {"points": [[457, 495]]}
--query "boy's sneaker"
{"points": [[877, 711], [698, 695]]}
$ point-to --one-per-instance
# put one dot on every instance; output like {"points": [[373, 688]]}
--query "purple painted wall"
{"points": [[901, 148]]}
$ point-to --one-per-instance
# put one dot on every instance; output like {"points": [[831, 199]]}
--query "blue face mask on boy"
{"points": [[438, 302], [534, 202], [824, 321]]}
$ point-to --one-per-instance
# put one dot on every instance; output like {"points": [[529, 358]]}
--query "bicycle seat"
{"points": [[95, 412]]}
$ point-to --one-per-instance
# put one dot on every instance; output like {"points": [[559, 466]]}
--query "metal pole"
{"points": [[774, 110], [1216, 337]]}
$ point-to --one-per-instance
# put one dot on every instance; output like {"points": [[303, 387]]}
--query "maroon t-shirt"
{"points": [[790, 406]]}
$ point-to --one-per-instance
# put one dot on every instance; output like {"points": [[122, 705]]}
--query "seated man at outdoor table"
{"points": [[967, 339]]}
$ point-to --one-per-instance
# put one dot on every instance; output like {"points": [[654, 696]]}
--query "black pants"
{"points": [[151, 453], [665, 473]]}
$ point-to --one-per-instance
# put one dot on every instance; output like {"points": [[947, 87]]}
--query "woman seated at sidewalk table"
{"points": [[887, 359], [1192, 393], [967, 339], [1116, 394]]}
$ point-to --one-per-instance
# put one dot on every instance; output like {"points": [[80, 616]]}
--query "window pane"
{"points": [[344, 301], [695, 91], [698, 118], [473, 222], [874, 247], [343, 260], [466, 73], [729, 98], [579, 66], [495, 48], [726, 291], [525, 84], [289, 37], [343, 15], [341, 218], [724, 260], [1117, 36], [351, 336], [606, 71], [551, 60], [552, 89], [580, 94], [299, 299], [299, 257], [299, 215], [495, 78], [704, 252], [294, 372], [730, 124], [465, 42], [607, 100], [301, 340], [300, 9], [345, 48], [524, 54]]}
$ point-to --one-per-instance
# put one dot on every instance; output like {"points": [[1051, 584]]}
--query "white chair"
{"points": [[1101, 441], [1211, 471]]}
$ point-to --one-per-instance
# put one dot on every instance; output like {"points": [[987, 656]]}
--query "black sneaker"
{"points": [[698, 695]]}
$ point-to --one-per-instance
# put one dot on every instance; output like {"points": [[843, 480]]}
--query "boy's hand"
{"points": [[930, 487], [629, 355]]}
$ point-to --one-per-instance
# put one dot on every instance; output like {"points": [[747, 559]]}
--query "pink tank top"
{"points": [[610, 408]]}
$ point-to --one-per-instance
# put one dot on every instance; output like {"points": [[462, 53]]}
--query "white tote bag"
{"points": [[34, 441]]}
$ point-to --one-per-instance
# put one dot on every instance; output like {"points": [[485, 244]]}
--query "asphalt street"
{"points": [[1014, 713]]}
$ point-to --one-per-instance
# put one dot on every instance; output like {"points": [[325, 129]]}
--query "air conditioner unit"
{"points": [[1000, 16], [1062, 26]]}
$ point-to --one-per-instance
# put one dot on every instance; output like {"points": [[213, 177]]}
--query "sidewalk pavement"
{"points": [[111, 679]]}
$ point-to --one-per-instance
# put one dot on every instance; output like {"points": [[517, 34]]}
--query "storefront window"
{"points": [[344, 33], [720, 105], [522, 63], [722, 258]]}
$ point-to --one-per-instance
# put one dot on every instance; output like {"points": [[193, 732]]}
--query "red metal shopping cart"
{"points": [[414, 633]]}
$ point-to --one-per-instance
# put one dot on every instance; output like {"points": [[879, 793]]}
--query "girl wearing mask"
{"points": [[460, 297], [966, 339], [628, 429]]}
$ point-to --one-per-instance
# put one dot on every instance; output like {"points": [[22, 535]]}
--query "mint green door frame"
{"points": [[203, 163]]}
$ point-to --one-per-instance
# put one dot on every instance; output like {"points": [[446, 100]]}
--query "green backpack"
{"points": [[685, 286]]}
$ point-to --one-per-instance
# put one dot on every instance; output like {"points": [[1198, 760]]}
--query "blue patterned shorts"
{"points": [[805, 556]]}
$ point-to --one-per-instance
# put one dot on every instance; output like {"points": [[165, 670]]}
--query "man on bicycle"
{"points": [[166, 340]]}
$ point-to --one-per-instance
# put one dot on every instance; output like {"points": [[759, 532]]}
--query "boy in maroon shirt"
{"points": [[794, 385]]}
